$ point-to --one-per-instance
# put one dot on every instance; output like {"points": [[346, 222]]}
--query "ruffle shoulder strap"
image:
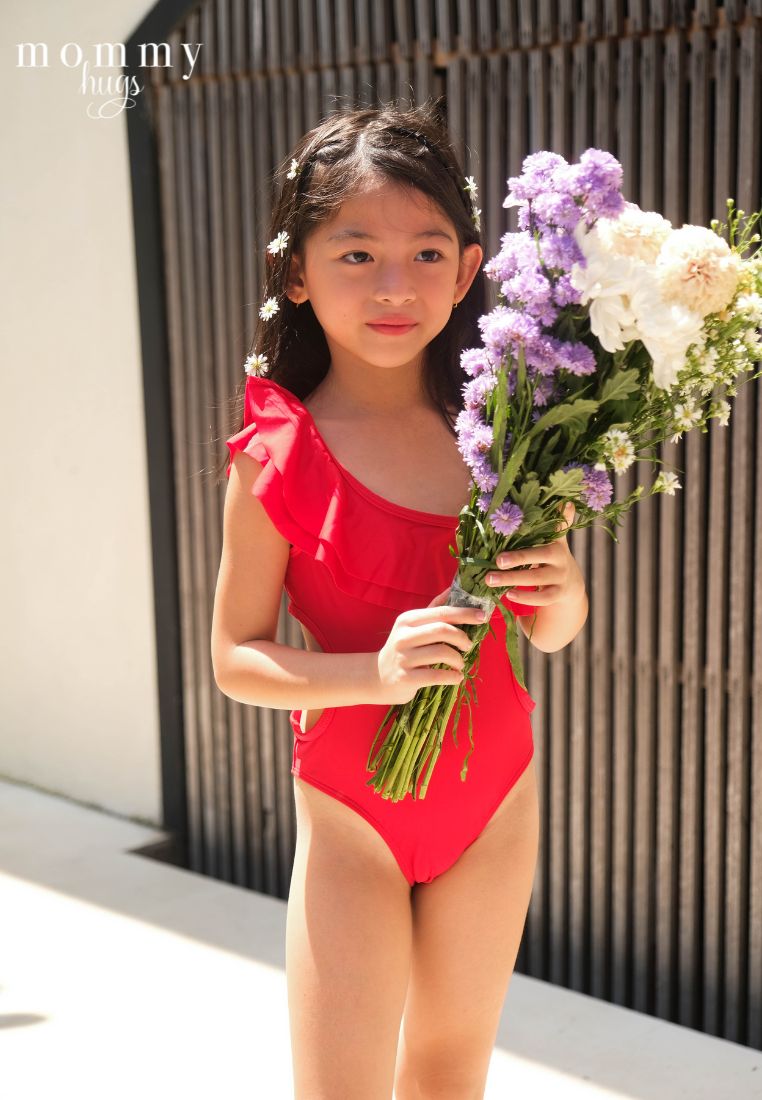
{"points": [[373, 554], [375, 551]]}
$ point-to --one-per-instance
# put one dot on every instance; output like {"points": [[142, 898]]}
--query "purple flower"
{"points": [[484, 476], [474, 436], [564, 293], [576, 358], [484, 501], [507, 518], [518, 251], [475, 361], [555, 208], [544, 390], [476, 391], [537, 173], [597, 179], [504, 327], [560, 251], [597, 489]]}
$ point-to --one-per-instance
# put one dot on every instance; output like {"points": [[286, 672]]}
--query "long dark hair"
{"points": [[408, 145]]}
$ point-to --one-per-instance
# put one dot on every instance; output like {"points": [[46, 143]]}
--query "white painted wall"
{"points": [[78, 690]]}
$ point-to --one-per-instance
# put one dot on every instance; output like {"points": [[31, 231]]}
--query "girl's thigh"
{"points": [[467, 928], [348, 947]]}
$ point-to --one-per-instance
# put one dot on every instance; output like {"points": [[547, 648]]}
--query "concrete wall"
{"points": [[78, 691]]}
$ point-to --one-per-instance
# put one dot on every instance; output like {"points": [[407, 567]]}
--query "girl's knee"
{"points": [[446, 1079]]}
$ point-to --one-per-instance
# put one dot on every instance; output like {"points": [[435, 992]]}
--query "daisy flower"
{"points": [[269, 309], [666, 483], [470, 186], [291, 174], [255, 364], [278, 244]]}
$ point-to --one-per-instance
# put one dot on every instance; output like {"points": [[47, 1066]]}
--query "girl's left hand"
{"points": [[553, 568]]}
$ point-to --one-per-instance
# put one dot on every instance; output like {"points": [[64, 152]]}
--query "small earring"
{"points": [[455, 304]]}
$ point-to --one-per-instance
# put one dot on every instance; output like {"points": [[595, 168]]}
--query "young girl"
{"points": [[345, 484]]}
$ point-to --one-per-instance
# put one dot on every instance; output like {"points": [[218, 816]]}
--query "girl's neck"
{"points": [[376, 391]]}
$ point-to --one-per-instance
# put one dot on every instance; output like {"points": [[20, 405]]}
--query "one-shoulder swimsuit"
{"points": [[356, 561]]}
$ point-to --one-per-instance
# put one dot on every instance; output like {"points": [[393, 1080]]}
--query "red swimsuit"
{"points": [[356, 561]]}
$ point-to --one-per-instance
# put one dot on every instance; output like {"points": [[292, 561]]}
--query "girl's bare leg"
{"points": [[348, 946], [467, 929]]}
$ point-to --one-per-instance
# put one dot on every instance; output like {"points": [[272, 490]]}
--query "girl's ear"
{"points": [[469, 265], [295, 288]]}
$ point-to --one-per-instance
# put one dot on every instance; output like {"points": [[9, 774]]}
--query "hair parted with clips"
{"points": [[347, 152]]}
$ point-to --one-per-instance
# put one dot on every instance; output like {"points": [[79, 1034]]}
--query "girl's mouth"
{"points": [[392, 330]]}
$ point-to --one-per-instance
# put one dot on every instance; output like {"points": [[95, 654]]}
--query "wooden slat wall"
{"points": [[649, 725]]}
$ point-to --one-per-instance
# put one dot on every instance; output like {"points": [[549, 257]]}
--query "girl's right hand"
{"points": [[420, 638]]}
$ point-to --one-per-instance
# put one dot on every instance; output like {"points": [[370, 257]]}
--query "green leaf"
{"points": [[574, 415], [620, 386], [512, 642], [499, 423], [509, 474], [564, 483], [528, 494]]}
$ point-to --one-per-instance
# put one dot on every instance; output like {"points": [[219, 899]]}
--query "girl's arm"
{"points": [[249, 665], [557, 623]]}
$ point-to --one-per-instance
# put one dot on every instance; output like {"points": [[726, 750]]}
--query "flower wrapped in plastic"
{"points": [[613, 332]]}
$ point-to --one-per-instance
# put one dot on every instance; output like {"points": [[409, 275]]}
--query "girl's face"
{"points": [[390, 253]]}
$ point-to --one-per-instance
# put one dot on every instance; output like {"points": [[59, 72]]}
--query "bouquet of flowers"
{"points": [[613, 331]]}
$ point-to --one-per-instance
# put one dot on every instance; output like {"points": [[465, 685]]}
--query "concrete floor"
{"points": [[121, 976]]}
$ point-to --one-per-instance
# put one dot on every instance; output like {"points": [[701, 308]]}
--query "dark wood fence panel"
{"points": [[648, 727]]}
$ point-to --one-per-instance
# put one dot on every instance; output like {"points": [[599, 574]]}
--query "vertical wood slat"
{"points": [[694, 610], [750, 808], [625, 573], [665, 848], [717, 578], [539, 122], [486, 27], [672, 63], [645, 774], [225, 206], [741, 583], [601, 639], [171, 119], [578, 929]]}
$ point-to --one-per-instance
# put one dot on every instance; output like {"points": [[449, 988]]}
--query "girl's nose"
{"points": [[394, 290], [394, 284]]}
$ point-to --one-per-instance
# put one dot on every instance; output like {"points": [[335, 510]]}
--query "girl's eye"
{"points": [[425, 252]]}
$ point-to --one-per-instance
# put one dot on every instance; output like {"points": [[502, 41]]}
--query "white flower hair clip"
{"points": [[472, 191], [294, 170], [278, 244], [269, 309], [255, 364]]}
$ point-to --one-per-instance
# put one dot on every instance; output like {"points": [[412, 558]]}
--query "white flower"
{"points": [[619, 449], [470, 186], [686, 415], [751, 305], [666, 483], [255, 364], [293, 169], [476, 219], [278, 244], [720, 410], [667, 331], [708, 361], [269, 309], [605, 282], [697, 269], [635, 232]]}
